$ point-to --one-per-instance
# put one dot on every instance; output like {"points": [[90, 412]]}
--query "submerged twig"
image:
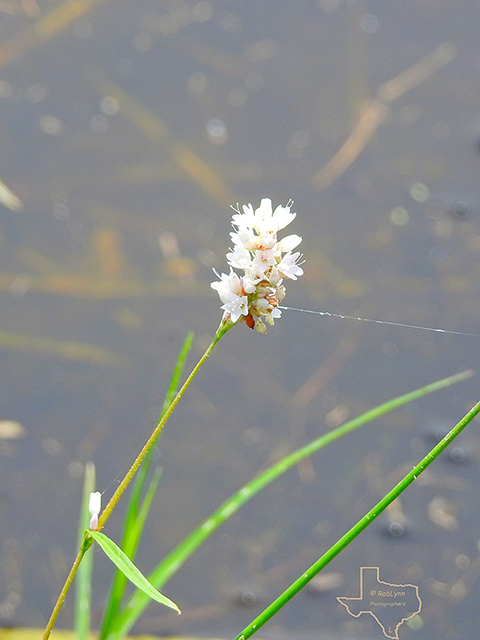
{"points": [[375, 112]]}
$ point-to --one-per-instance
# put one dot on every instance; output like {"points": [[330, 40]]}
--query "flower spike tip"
{"points": [[94, 507], [265, 261]]}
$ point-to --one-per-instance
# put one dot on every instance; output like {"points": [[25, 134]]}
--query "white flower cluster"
{"points": [[254, 297]]}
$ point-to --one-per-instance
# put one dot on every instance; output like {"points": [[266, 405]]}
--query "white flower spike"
{"points": [[94, 508], [254, 296]]}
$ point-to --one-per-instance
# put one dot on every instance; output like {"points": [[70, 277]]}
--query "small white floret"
{"points": [[94, 508], [288, 267], [236, 307]]}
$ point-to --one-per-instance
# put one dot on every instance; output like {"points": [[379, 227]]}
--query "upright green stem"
{"points": [[87, 542], [155, 433], [367, 519], [85, 546]]}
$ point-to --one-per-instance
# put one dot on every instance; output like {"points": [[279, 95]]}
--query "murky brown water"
{"points": [[126, 133]]}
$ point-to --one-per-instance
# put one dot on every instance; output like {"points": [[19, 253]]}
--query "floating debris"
{"points": [[395, 530], [396, 526], [11, 430], [440, 512], [375, 111], [324, 582], [462, 209], [247, 597], [458, 455], [9, 199], [83, 285], [66, 349], [184, 157], [108, 253], [44, 28]]}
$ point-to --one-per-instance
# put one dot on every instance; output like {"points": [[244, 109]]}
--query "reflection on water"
{"points": [[127, 130]]}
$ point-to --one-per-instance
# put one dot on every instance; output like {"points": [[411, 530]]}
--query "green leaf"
{"points": [[127, 567], [130, 541]]}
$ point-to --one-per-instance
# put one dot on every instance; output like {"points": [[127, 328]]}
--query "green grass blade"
{"points": [[136, 531], [177, 372], [131, 529], [83, 579], [174, 560], [362, 524], [127, 567]]}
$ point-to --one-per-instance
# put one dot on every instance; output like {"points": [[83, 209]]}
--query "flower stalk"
{"points": [[253, 298]]}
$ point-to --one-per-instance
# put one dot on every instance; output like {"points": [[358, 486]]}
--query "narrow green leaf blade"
{"points": [[83, 579], [362, 524], [127, 567]]}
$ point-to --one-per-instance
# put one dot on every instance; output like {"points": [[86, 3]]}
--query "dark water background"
{"points": [[140, 121]]}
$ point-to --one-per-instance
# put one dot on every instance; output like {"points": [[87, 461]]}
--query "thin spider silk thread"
{"points": [[392, 324]]}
